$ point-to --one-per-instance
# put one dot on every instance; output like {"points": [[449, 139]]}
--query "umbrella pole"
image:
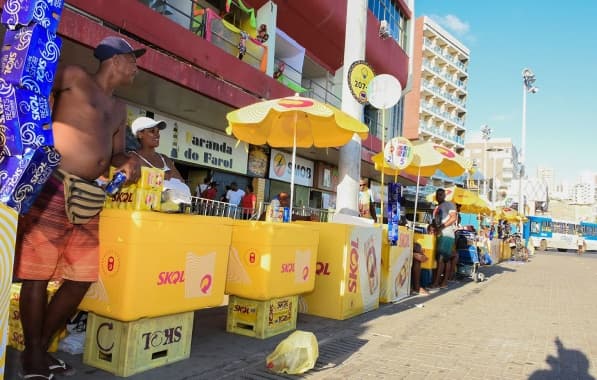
{"points": [[416, 199], [383, 142], [293, 167]]}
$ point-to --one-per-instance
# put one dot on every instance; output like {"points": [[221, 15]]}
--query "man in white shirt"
{"points": [[234, 195]]}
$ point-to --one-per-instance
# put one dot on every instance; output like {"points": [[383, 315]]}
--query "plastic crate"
{"points": [[126, 348], [16, 339], [261, 319]]}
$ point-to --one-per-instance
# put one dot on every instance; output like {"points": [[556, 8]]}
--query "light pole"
{"points": [[486, 135], [528, 80], [493, 151]]}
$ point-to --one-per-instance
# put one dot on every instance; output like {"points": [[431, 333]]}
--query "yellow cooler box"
{"points": [[269, 260], [154, 264], [348, 271], [428, 244], [396, 261]]}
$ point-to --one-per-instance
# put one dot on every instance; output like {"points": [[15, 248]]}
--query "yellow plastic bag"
{"points": [[294, 355]]}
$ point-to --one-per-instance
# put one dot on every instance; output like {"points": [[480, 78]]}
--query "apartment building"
{"points": [[436, 107], [194, 73]]}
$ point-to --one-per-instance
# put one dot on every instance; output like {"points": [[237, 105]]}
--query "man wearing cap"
{"points": [[89, 133]]}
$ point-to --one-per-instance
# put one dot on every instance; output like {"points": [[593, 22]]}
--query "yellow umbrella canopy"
{"points": [[428, 157], [294, 122], [275, 123], [469, 201], [509, 214]]}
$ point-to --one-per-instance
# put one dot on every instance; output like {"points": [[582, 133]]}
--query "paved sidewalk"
{"points": [[532, 320]]}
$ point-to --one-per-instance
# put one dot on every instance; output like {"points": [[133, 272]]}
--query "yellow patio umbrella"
{"points": [[429, 157], [294, 121], [469, 201], [508, 214]]}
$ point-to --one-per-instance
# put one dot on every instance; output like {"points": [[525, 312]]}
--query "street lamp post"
{"points": [[485, 135], [528, 80], [494, 151]]}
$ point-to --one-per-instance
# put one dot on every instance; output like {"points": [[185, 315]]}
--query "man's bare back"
{"points": [[88, 123]]}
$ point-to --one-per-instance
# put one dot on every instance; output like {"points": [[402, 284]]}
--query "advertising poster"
{"points": [[396, 268], [258, 159]]}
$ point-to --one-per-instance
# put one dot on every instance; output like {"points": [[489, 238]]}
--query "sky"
{"points": [[558, 42]]}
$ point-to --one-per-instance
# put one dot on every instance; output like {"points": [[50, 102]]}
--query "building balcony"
{"points": [[439, 52], [438, 134]]}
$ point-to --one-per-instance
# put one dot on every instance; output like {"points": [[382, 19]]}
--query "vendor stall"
{"points": [[154, 264], [269, 259], [347, 279]]}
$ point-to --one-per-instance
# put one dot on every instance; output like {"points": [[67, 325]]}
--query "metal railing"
{"points": [[318, 92], [210, 207]]}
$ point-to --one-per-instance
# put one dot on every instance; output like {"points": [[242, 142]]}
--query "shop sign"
{"points": [[205, 148], [280, 168], [398, 152]]}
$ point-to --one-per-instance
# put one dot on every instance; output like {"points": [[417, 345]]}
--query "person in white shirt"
{"points": [[234, 195], [580, 242]]}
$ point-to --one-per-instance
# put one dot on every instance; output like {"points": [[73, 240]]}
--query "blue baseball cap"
{"points": [[111, 46]]}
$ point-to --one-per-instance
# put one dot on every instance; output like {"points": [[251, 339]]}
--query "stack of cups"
{"points": [[28, 63]]}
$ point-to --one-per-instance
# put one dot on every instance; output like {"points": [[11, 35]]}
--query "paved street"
{"points": [[533, 320]]}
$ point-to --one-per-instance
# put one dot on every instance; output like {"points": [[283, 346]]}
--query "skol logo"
{"points": [[162, 338], [244, 309], [34, 106], [444, 151], [205, 283], [288, 268], [41, 70], [322, 268], [123, 197], [10, 63], [353, 274], [169, 278]]}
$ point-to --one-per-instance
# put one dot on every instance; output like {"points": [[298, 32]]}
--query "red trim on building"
{"points": [[319, 26], [167, 35]]}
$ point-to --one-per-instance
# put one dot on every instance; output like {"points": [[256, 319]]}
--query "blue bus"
{"points": [[589, 233], [544, 233]]}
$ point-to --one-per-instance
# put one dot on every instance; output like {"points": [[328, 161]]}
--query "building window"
{"points": [[390, 11]]}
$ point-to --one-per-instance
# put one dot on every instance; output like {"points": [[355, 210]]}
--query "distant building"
{"points": [[547, 175], [495, 159], [584, 194], [435, 108]]}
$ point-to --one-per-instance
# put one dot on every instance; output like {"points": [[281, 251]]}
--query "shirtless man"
{"points": [[89, 132]]}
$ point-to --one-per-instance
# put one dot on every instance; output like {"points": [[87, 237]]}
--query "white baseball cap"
{"points": [[143, 122]]}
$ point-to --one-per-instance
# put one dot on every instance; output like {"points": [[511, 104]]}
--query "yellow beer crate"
{"points": [[126, 348], [16, 338], [261, 319]]}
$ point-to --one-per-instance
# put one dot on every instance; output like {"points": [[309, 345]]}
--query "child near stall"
{"points": [[418, 258]]}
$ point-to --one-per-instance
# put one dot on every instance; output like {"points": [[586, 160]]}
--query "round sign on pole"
{"points": [[398, 153], [360, 75], [384, 91]]}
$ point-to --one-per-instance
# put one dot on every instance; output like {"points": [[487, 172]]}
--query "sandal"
{"points": [[61, 368], [33, 376]]}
